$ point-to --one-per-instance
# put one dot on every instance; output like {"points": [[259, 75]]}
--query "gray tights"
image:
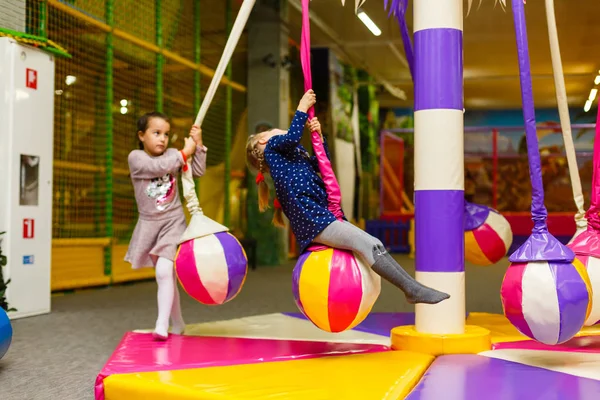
{"points": [[344, 235]]}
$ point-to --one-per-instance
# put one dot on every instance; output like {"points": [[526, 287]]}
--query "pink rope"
{"points": [[592, 213], [332, 187]]}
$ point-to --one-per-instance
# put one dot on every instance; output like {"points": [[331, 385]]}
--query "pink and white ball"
{"points": [[547, 301], [333, 288], [212, 269]]}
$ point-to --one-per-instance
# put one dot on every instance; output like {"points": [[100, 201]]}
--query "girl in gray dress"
{"points": [[154, 170]]}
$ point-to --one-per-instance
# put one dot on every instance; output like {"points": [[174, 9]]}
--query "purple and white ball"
{"points": [[547, 301], [212, 269]]}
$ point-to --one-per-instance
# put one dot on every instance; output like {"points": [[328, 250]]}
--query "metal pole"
{"points": [[108, 199], [43, 19], [160, 58], [228, 125], [495, 169], [98, 144], [439, 163]]}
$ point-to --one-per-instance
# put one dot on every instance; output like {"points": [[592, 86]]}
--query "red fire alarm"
{"points": [[31, 78], [28, 228]]}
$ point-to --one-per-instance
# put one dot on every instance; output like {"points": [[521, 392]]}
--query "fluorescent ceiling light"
{"points": [[593, 94], [588, 105], [369, 23], [597, 80]]}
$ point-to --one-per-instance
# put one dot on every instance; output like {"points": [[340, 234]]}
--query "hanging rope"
{"points": [[541, 245], [189, 188], [592, 213], [563, 110], [332, 186], [588, 242]]}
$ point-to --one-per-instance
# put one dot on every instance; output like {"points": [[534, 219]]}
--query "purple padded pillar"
{"points": [[439, 162]]}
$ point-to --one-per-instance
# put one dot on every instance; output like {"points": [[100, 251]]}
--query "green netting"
{"points": [[83, 118], [79, 125]]}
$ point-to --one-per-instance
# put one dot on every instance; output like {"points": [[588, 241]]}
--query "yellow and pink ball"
{"points": [[334, 288], [488, 235]]}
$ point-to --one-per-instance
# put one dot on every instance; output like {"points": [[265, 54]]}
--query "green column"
{"points": [[108, 199], [43, 19], [98, 109], [373, 141], [197, 76], [160, 59], [228, 124]]}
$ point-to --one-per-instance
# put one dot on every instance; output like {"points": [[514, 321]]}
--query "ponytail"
{"points": [[263, 201], [263, 192], [278, 214], [255, 160]]}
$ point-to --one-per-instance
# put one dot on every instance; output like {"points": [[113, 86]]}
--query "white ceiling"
{"points": [[491, 72]]}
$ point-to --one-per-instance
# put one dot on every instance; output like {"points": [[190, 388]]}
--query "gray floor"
{"points": [[57, 356]]}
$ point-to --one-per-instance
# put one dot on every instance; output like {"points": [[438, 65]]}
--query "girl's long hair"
{"points": [[255, 159]]}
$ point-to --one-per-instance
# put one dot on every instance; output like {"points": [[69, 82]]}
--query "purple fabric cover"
{"points": [[475, 215], [541, 245], [398, 9]]}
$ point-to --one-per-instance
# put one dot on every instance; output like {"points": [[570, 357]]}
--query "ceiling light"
{"points": [[369, 23], [593, 94], [588, 105], [70, 79], [123, 110], [124, 103], [597, 80]]}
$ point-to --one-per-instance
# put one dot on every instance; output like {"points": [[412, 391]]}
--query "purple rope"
{"points": [[541, 245], [538, 209], [398, 9]]}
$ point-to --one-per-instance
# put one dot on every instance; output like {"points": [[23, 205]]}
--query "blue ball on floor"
{"points": [[5, 333]]}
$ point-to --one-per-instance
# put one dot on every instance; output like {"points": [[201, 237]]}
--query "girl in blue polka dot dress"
{"points": [[303, 199]]}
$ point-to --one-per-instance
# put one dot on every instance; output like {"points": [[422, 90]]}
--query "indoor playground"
{"points": [[468, 151]]}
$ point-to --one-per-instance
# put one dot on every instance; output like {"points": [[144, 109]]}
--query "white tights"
{"points": [[168, 300]]}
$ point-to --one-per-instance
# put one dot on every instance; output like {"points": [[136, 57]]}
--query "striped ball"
{"points": [[212, 269], [592, 265], [334, 288], [547, 301], [5, 333], [490, 241]]}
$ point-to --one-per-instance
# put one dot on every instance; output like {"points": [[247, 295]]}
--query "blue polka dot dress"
{"points": [[298, 186]]}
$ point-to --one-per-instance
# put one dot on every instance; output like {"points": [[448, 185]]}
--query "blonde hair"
{"points": [[255, 159]]}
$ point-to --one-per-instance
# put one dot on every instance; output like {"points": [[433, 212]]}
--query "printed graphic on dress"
{"points": [[162, 190]]}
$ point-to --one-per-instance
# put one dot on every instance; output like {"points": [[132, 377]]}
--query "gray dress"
{"points": [[161, 219]]}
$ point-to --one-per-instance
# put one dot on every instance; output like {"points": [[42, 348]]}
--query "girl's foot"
{"points": [[160, 333], [415, 292], [426, 295], [178, 328]]}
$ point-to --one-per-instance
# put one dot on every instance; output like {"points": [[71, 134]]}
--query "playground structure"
{"points": [[264, 355], [473, 355], [117, 70], [498, 169]]}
